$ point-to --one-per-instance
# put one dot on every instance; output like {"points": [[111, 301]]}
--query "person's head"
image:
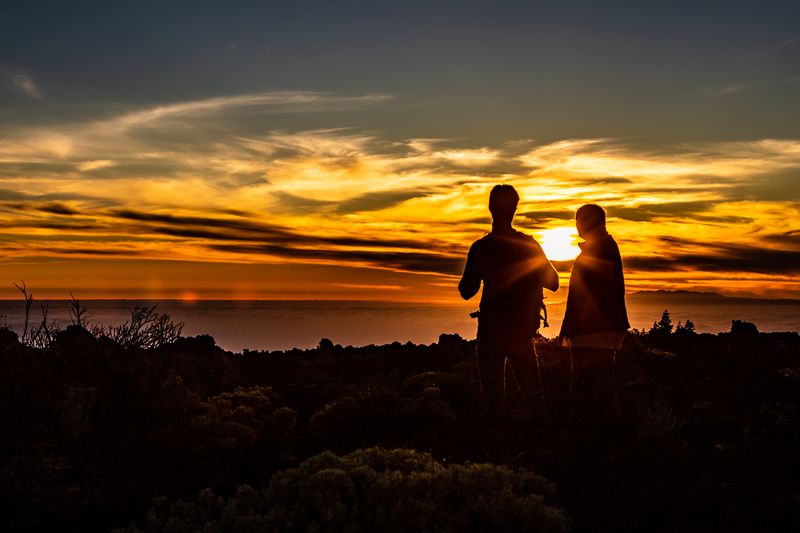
{"points": [[590, 218], [503, 202]]}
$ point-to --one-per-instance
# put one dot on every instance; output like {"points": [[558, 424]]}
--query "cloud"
{"points": [[99, 252], [203, 180], [744, 86], [725, 258], [227, 229], [96, 164], [790, 238], [244, 239], [770, 50], [685, 254], [470, 157], [24, 198], [730, 88], [703, 169], [176, 221], [279, 101], [54, 225], [786, 81], [373, 201], [604, 159], [289, 203], [57, 208], [646, 213], [422, 262], [24, 84], [544, 215]]}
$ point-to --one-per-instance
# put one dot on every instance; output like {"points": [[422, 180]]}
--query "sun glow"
{"points": [[559, 243], [344, 204]]}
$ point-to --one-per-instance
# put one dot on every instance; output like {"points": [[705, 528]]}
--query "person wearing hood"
{"points": [[595, 319]]}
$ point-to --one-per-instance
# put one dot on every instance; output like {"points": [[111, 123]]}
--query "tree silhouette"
{"points": [[663, 326]]}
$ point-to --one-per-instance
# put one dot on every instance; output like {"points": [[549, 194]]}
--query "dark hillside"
{"points": [[97, 436]]}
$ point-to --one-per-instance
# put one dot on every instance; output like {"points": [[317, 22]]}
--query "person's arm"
{"points": [[547, 272], [470, 282], [550, 277]]}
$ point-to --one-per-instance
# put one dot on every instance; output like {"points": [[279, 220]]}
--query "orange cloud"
{"points": [[116, 189]]}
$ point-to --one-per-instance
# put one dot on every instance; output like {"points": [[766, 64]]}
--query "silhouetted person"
{"points": [[595, 320], [513, 269]]}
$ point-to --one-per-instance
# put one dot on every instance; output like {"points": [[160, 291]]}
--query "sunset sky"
{"points": [[345, 150]]}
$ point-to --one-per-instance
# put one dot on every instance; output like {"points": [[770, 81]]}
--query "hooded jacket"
{"points": [[596, 298]]}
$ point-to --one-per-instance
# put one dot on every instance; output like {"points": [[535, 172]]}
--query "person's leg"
{"points": [[592, 385], [491, 362], [607, 410], [525, 362], [581, 385]]}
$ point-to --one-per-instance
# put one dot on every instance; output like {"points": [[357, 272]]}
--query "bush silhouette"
{"points": [[383, 417], [95, 431], [374, 490]]}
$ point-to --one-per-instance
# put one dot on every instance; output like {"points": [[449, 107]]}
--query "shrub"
{"points": [[374, 490], [146, 329], [382, 417], [41, 335], [236, 419]]}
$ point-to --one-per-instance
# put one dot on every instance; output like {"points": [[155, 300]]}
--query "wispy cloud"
{"points": [[741, 87], [771, 49], [787, 81], [295, 101], [24, 84], [731, 88], [95, 164]]}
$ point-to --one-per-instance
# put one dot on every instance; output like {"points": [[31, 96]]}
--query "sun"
{"points": [[559, 243]]}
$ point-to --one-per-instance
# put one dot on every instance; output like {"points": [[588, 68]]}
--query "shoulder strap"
{"points": [[543, 315]]}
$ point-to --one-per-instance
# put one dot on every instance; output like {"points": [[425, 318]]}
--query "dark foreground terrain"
{"points": [[185, 436]]}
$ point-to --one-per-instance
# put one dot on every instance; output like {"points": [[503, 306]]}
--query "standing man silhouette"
{"points": [[595, 320], [514, 270]]}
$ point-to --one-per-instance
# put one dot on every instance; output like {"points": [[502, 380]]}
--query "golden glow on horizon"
{"points": [[375, 218]]}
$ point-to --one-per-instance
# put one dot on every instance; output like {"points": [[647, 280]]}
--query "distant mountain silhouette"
{"points": [[711, 298]]}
